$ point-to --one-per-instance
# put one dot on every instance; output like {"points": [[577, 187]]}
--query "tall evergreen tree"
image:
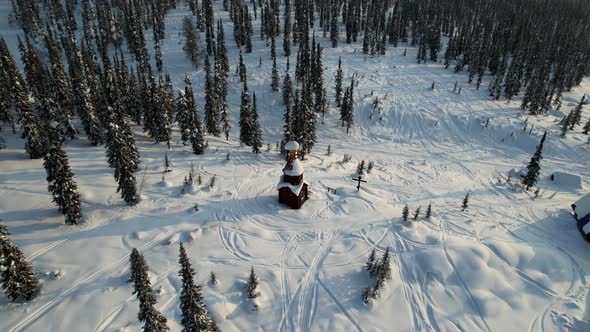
{"points": [[339, 76], [153, 320], [17, 277], [191, 46], [123, 156], [62, 186], [184, 115], [287, 87], [586, 128], [577, 115], [252, 284], [534, 166], [194, 312], [246, 118], [256, 132], [566, 123], [212, 116], [193, 124]]}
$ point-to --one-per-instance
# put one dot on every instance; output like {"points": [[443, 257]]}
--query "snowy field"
{"points": [[510, 262]]}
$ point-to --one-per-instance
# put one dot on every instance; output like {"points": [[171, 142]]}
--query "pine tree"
{"points": [[31, 126], [220, 85], [405, 213], [242, 69], [222, 49], [122, 155], [370, 167], [192, 127], [153, 320], [191, 46], [195, 316], [577, 115], [246, 118], [135, 261], [287, 87], [347, 108], [256, 132], [385, 266], [252, 284], [167, 164], [196, 134], [371, 261], [339, 76], [17, 277], [287, 29], [586, 128], [334, 27], [465, 203], [360, 170], [565, 123], [212, 116], [184, 115], [534, 166], [417, 213], [275, 73], [212, 278], [429, 211], [62, 186]]}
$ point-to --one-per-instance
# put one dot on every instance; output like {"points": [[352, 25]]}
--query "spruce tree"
{"points": [[192, 126], [275, 80], [222, 56], [577, 115], [256, 132], [242, 69], [586, 128], [339, 76], [534, 166], [196, 134], [246, 118], [195, 316], [135, 261], [385, 266], [429, 211], [287, 87], [565, 124], [153, 320], [252, 284], [184, 115], [17, 277], [417, 213], [405, 213], [191, 46], [287, 29], [360, 170], [465, 203], [212, 116], [62, 186], [220, 86], [31, 126], [122, 155], [371, 261], [212, 279]]}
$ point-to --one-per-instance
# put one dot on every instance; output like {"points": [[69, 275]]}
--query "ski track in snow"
{"points": [[482, 323]]}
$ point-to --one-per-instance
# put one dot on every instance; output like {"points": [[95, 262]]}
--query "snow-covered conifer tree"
{"points": [[195, 316]]}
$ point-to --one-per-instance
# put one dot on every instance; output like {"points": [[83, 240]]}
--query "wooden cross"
{"points": [[360, 179]]}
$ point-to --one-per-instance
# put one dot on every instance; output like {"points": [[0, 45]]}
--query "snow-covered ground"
{"points": [[510, 262]]}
